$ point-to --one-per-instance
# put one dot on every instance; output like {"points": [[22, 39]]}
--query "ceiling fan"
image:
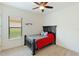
{"points": [[42, 6]]}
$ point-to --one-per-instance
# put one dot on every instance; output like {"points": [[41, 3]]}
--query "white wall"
{"points": [[0, 25], [0, 33], [27, 16], [67, 21]]}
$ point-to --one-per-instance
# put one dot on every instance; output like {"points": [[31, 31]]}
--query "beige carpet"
{"points": [[56, 51], [52, 50]]}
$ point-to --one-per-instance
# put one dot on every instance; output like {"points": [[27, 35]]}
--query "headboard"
{"points": [[50, 29]]}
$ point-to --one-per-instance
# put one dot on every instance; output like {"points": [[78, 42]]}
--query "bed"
{"points": [[36, 42]]}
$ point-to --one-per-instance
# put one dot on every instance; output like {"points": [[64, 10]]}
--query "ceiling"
{"points": [[29, 5]]}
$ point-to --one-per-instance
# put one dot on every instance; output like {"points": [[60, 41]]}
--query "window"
{"points": [[15, 27]]}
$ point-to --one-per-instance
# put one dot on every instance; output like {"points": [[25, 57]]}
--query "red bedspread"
{"points": [[45, 41]]}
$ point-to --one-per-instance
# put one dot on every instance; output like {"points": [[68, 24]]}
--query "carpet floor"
{"points": [[52, 50]]}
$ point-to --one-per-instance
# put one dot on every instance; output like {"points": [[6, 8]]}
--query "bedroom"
{"points": [[64, 15]]}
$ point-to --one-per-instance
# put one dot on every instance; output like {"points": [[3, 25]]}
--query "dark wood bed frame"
{"points": [[51, 29]]}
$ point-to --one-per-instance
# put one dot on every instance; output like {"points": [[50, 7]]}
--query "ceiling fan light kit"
{"points": [[41, 7]]}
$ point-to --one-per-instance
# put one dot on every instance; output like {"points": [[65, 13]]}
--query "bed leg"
{"points": [[55, 40], [33, 52], [25, 40]]}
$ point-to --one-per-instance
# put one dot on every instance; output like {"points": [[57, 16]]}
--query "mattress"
{"points": [[30, 38]]}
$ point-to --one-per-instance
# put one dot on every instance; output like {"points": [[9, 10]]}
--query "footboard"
{"points": [[29, 44]]}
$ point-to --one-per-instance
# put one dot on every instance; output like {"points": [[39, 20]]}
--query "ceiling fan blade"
{"points": [[35, 7], [45, 3], [41, 3], [37, 3], [48, 7]]}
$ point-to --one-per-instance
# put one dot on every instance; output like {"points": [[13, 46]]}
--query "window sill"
{"points": [[17, 38]]}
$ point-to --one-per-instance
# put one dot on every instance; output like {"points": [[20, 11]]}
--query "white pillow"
{"points": [[45, 33], [42, 33]]}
